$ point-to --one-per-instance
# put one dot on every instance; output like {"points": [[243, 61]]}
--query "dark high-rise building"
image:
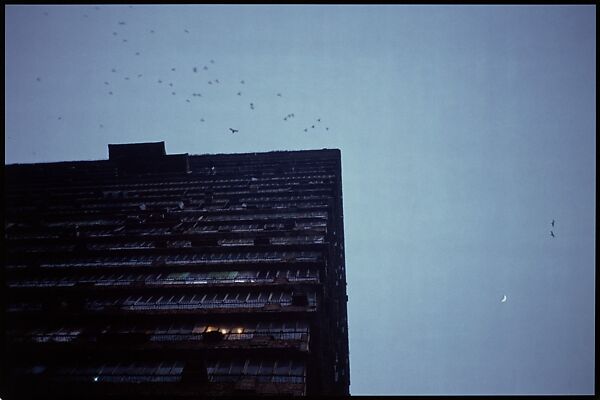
{"points": [[179, 276]]}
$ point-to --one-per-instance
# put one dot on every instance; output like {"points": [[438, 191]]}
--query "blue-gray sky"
{"points": [[464, 131]]}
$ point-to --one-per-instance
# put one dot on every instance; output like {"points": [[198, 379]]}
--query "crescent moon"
{"points": [[503, 299]]}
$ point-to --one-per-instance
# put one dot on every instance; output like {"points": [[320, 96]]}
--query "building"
{"points": [[175, 276]]}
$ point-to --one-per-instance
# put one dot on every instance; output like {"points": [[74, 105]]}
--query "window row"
{"points": [[242, 299], [303, 214], [286, 330], [192, 278], [282, 371], [166, 371], [277, 371], [187, 259]]}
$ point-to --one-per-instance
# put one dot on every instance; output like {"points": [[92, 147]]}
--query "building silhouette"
{"points": [[150, 275]]}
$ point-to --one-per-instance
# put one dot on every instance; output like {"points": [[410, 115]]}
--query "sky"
{"points": [[464, 131]]}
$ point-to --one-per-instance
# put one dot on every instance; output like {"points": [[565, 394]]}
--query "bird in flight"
{"points": [[305, 130], [552, 234], [121, 22], [503, 299], [137, 53], [234, 130], [552, 223], [124, 40], [239, 93], [318, 119], [201, 119], [173, 69], [242, 82], [212, 61], [106, 83], [252, 106], [38, 79], [327, 128], [205, 68], [113, 70], [278, 94], [186, 31], [195, 69]]}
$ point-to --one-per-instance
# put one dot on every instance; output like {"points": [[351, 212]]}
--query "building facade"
{"points": [[175, 276]]}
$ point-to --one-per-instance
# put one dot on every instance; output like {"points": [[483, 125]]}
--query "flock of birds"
{"points": [[169, 82]]}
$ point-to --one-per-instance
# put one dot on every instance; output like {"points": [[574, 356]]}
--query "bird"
{"points": [[159, 81], [38, 79], [242, 82], [279, 94], [503, 299], [188, 100], [239, 93], [121, 22], [285, 118], [106, 83], [101, 126], [173, 69], [171, 84], [234, 130], [126, 78], [212, 61], [186, 31], [46, 14], [210, 82], [110, 93], [137, 53], [327, 129], [552, 223], [114, 33], [173, 93], [552, 234], [59, 118], [318, 119], [205, 68], [305, 130], [201, 119], [113, 70], [252, 106], [140, 75], [313, 126], [195, 69], [216, 81], [151, 30]]}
